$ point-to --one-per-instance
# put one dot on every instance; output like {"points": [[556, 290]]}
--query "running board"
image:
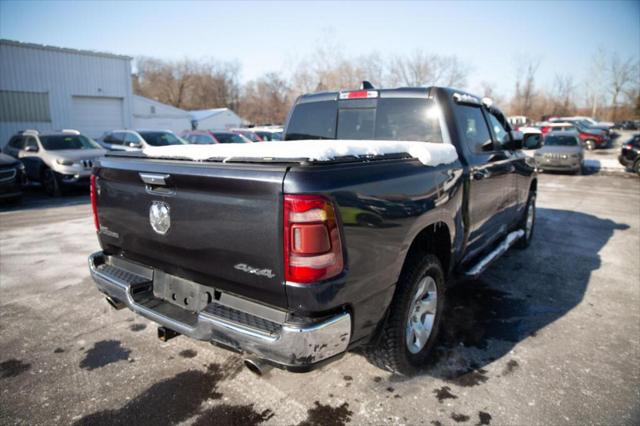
{"points": [[501, 249]]}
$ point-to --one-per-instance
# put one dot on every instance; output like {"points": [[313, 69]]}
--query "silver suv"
{"points": [[58, 159], [135, 140]]}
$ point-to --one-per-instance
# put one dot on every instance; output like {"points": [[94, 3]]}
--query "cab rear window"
{"points": [[401, 119]]}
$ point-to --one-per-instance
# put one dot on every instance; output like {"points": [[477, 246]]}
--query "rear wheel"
{"points": [[528, 222], [51, 183], [411, 329], [636, 167]]}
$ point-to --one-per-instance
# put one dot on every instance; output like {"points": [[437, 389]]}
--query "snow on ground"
{"points": [[606, 164], [430, 154]]}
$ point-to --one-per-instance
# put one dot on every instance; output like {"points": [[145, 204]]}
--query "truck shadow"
{"points": [[520, 295]]}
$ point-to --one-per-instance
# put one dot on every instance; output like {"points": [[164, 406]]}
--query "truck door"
{"points": [[501, 138], [489, 178]]}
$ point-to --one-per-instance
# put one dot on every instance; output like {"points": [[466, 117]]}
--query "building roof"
{"points": [[203, 114], [62, 49], [164, 109]]}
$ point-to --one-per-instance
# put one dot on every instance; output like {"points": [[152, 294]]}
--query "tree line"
{"points": [[612, 91]]}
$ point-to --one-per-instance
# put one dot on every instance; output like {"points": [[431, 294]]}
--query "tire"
{"points": [[590, 144], [393, 351], [51, 183], [527, 227], [636, 167]]}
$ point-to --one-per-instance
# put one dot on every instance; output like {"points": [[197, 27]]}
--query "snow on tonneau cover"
{"points": [[428, 153]]}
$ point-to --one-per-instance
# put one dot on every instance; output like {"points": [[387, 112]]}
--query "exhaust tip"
{"points": [[256, 366], [165, 334], [114, 303]]}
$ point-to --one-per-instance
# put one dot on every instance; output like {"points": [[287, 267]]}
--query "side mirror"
{"points": [[515, 141], [532, 141], [135, 145], [31, 148]]}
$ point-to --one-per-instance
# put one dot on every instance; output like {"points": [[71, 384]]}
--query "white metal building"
{"points": [[150, 114], [50, 88], [216, 119]]}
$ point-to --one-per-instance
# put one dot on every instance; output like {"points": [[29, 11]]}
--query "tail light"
{"points": [[312, 244], [94, 202]]}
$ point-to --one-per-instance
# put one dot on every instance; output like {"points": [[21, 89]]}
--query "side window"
{"points": [[17, 142], [117, 138], [473, 128], [502, 136], [130, 138], [30, 141]]}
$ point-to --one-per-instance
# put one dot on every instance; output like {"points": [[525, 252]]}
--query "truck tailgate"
{"points": [[225, 222]]}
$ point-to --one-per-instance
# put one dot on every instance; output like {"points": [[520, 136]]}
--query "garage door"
{"points": [[93, 115]]}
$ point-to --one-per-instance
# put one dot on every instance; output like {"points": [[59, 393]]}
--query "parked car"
{"points": [[254, 254], [562, 151], [269, 134], [627, 125], [12, 178], [213, 136], [135, 140], [591, 138], [585, 122], [630, 154], [58, 159], [249, 134]]}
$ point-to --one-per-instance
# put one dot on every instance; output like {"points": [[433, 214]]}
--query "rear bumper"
{"points": [[291, 346]]}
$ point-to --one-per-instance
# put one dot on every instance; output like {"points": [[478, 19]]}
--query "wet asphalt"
{"points": [[549, 335]]}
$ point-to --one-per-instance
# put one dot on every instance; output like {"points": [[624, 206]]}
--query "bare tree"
{"points": [[187, 83], [426, 69], [621, 75], [266, 100], [525, 90], [563, 94], [487, 90], [594, 83]]}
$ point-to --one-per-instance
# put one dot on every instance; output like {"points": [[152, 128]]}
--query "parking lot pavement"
{"points": [[549, 335]]}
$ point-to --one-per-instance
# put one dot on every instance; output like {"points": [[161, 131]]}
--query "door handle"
{"points": [[479, 174]]}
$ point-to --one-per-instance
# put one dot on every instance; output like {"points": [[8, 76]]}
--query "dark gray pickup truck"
{"points": [[294, 261]]}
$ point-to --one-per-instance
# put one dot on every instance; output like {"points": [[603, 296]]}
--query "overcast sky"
{"points": [[270, 36]]}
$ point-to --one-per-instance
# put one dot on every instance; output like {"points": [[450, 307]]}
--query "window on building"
{"points": [[24, 107]]}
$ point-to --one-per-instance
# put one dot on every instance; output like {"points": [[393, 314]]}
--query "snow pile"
{"points": [[429, 154]]}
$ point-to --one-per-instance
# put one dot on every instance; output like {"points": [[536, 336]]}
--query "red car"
{"points": [[590, 139], [205, 137]]}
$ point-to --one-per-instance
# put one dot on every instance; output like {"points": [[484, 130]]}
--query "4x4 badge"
{"points": [[159, 217]]}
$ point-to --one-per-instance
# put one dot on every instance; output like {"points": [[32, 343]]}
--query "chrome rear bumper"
{"points": [[291, 346]]}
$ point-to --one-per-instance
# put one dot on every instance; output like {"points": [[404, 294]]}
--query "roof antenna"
{"points": [[366, 85]]}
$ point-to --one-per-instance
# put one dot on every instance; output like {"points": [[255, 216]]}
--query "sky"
{"points": [[272, 36]]}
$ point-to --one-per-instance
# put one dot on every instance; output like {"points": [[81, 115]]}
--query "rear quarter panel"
{"points": [[383, 206]]}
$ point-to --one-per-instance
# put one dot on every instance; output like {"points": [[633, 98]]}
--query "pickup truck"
{"points": [[292, 259]]}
